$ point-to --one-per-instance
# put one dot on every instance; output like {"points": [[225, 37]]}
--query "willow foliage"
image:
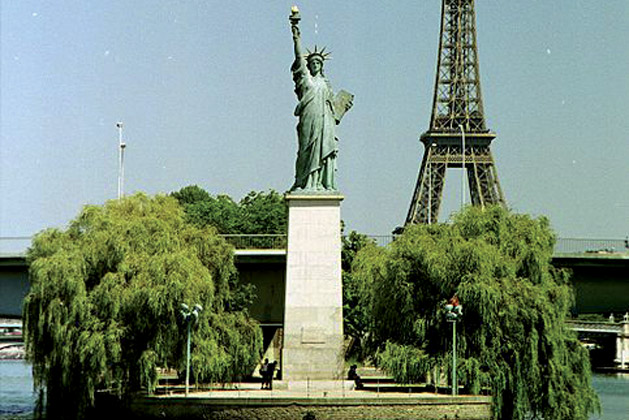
{"points": [[512, 339], [103, 311]]}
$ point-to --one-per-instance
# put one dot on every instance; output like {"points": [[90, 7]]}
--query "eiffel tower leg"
{"points": [[500, 199], [438, 181], [428, 190], [416, 213], [483, 180], [474, 184]]}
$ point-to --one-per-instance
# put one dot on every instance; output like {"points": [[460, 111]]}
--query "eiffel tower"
{"points": [[458, 136]]}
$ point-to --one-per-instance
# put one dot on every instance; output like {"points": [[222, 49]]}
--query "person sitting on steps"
{"points": [[353, 375]]}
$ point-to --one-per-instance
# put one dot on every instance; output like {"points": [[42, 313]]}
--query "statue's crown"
{"points": [[318, 54]]}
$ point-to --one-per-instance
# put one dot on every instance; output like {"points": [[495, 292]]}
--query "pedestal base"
{"points": [[317, 387], [313, 318]]}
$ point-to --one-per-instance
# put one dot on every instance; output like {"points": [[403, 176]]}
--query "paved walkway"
{"points": [[280, 391]]}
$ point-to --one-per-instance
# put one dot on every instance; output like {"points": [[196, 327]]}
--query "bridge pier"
{"points": [[622, 343]]}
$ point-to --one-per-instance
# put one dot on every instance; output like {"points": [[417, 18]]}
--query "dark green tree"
{"points": [[513, 340], [264, 213], [256, 213], [103, 310], [191, 194]]}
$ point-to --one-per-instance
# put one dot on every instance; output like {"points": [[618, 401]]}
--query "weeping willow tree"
{"points": [[512, 340], [103, 310]]}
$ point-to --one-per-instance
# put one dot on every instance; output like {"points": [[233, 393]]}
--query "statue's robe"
{"points": [[318, 146]]}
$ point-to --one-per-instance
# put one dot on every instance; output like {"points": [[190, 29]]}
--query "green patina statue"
{"points": [[319, 111]]}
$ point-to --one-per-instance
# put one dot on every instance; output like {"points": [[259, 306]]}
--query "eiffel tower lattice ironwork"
{"points": [[458, 136]]}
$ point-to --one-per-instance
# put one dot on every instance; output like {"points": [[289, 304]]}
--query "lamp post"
{"points": [[454, 311], [189, 316], [462, 166], [121, 147]]}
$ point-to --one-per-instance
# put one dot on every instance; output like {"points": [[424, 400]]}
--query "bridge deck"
{"points": [[596, 327]]}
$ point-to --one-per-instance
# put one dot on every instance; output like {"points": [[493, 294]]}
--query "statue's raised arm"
{"points": [[294, 18], [318, 112]]}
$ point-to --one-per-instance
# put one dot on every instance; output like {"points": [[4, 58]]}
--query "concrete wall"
{"points": [[268, 307], [268, 279], [601, 284], [601, 291], [14, 286], [349, 408]]}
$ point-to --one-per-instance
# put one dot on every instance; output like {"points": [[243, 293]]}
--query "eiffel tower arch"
{"points": [[458, 136]]}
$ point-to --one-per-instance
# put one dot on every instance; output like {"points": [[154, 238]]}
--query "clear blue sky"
{"points": [[206, 96]]}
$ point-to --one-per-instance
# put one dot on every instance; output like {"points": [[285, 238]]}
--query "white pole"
{"points": [[455, 388], [430, 189], [121, 146], [188, 358], [431, 151], [462, 167]]}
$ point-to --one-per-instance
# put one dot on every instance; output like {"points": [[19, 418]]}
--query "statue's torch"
{"points": [[294, 17]]}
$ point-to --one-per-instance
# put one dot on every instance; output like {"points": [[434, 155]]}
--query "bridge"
{"points": [[600, 272], [617, 330], [600, 275]]}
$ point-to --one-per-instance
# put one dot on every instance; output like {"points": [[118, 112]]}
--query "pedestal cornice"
{"points": [[314, 196]]}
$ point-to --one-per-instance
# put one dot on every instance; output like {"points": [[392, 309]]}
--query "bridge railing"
{"points": [[279, 241], [381, 240], [17, 245], [563, 245], [590, 246], [260, 241], [14, 245], [591, 326]]}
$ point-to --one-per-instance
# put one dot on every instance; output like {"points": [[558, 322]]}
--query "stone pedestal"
{"points": [[313, 317]]}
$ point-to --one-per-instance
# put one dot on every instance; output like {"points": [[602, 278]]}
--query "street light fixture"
{"points": [[454, 311], [189, 316]]}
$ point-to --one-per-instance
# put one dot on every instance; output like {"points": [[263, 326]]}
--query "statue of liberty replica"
{"points": [[312, 345], [319, 111]]}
